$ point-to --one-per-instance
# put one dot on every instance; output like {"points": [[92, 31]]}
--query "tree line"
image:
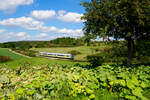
{"points": [[59, 42]]}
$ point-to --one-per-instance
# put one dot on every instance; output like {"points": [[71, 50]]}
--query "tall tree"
{"points": [[121, 19]]}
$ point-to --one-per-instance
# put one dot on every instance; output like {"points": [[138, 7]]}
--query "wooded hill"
{"points": [[59, 42]]}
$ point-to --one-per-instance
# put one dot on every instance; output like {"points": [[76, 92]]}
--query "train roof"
{"points": [[56, 53]]}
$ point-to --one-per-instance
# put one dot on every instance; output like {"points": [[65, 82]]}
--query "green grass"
{"points": [[6, 52], [18, 60], [85, 50]]}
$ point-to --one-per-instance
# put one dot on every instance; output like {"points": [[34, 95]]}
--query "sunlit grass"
{"points": [[18, 60], [85, 50]]}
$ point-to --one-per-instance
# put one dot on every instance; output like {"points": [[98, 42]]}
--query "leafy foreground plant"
{"points": [[74, 83]]}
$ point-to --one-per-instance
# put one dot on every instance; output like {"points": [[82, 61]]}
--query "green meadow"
{"points": [[18, 60], [7, 52], [84, 50]]}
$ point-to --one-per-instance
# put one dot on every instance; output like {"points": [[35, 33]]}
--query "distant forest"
{"points": [[59, 42]]}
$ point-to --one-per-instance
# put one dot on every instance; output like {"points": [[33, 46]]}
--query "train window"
{"points": [[60, 55]]}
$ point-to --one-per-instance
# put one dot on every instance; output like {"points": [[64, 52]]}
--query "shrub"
{"points": [[4, 58], [30, 53], [97, 50], [106, 49], [95, 60], [116, 54], [74, 52]]}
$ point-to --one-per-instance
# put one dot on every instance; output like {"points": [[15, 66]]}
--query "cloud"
{"points": [[70, 17], [21, 34], [7, 36], [76, 32], [32, 24], [61, 12], [2, 30], [43, 14], [42, 35], [24, 22], [13, 4], [13, 36], [62, 15]]}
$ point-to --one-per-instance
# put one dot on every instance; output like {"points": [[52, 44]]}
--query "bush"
{"points": [[74, 52], [95, 60], [4, 58], [116, 54], [30, 53], [106, 49], [96, 49]]}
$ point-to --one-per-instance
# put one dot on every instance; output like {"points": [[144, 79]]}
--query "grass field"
{"points": [[85, 50], [6, 52], [18, 60]]}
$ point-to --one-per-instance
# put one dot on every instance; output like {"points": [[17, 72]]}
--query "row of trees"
{"points": [[67, 41], [59, 42], [120, 19]]}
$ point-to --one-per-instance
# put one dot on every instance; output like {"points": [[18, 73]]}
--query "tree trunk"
{"points": [[131, 50], [103, 39]]}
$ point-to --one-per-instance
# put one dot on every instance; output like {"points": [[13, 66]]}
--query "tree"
{"points": [[120, 19]]}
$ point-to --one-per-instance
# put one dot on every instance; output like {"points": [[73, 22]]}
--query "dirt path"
{"points": [[19, 53]]}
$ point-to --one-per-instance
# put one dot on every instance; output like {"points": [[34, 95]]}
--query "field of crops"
{"points": [[84, 50], [75, 83]]}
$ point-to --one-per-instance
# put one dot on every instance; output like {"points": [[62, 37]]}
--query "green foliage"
{"points": [[143, 50], [126, 19], [59, 42], [74, 83], [116, 54], [95, 60], [66, 42], [29, 53], [120, 19]]}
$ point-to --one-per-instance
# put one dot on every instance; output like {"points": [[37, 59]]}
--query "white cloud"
{"points": [[21, 34], [42, 35], [13, 4], [29, 23], [13, 36], [62, 15], [77, 32], [43, 14], [2, 30], [61, 12], [69, 17], [24, 22]]}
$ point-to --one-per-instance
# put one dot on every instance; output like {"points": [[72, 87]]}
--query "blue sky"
{"points": [[40, 19]]}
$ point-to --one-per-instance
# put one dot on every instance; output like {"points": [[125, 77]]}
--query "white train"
{"points": [[57, 55]]}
